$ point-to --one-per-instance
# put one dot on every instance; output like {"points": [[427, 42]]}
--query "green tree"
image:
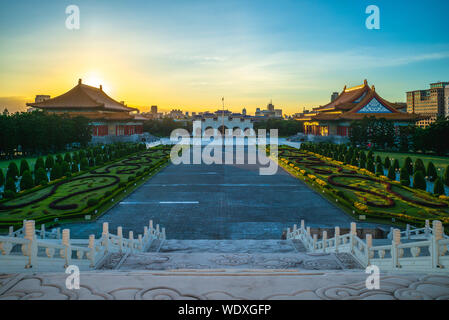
{"points": [[24, 166], [370, 165], [387, 163], [75, 167], [56, 172], [49, 162], [363, 156], [438, 187], [419, 166], [40, 176], [391, 173], [380, 168], [10, 185], [2, 178], [13, 171], [39, 164], [418, 180], [84, 164], [354, 161], [362, 163], [378, 159], [65, 168], [26, 182], [396, 164], [404, 176], [68, 158], [446, 176], [431, 171], [409, 165]]}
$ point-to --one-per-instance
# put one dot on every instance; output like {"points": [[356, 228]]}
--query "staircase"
{"points": [[225, 255]]}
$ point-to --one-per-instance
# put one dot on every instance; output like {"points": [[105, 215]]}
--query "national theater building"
{"points": [[353, 104], [107, 116]]}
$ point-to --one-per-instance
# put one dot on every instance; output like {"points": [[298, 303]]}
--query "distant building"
{"points": [[446, 101], [154, 109], [176, 114], [244, 111], [270, 112], [334, 96], [107, 116], [353, 104], [231, 121], [429, 102], [37, 99]]}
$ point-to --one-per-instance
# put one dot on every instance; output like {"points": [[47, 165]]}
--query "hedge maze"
{"points": [[362, 192], [89, 194]]}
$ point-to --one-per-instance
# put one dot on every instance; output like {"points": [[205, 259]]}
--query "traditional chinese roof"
{"points": [[359, 102], [108, 116], [82, 97]]}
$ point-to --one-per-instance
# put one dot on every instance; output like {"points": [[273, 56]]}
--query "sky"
{"points": [[190, 54]]}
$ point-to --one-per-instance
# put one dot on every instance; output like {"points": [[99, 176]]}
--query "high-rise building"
{"points": [[334, 96], [429, 103], [270, 106], [153, 109], [446, 101], [244, 111]]}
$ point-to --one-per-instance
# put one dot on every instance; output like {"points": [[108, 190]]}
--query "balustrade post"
{"points": [[394, 248], [131, 241], [139, 238], [31, 247], [145, 234], [58, 233], [105, 237], [337, 238], [151, 227], [368, 253], [11, 231], [352, 235], [302, 225], [43, 231], [427, 228], [295, 227], [158, 232], [92, 252], [324, 240], [163, 233], [315, 238], [407, 231], [437, 235], [120, 239], [67, 249]]}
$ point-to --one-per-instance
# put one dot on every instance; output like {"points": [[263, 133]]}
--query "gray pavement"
{"points": [[219, 202]]}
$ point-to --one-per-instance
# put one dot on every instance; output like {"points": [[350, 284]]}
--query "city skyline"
{"points": [[191, 54]]}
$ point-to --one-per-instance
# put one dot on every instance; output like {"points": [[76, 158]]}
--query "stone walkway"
{"points": [[228, 284]]}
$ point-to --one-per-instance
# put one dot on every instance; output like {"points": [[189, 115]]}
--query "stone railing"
{"points": [[429, 254], [43, 253]]}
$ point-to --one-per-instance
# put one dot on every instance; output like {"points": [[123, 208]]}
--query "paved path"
{"points": [[230, 284], [219, 202]]}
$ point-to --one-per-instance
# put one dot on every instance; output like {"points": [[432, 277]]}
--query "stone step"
{"points": [[226, 260], [231, 246]]}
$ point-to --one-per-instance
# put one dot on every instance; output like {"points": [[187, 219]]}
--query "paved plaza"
{"points": [[219, 202]]}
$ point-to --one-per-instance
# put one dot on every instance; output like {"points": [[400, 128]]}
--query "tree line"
{"points": [[37, 132], [381, 134]]}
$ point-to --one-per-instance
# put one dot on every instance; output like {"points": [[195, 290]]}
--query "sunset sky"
{"points": [[188, 54]]}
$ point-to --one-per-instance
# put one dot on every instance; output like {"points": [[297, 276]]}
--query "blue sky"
{"points": [[188, 54]]}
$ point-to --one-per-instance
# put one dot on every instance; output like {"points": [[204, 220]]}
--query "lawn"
{"points": [[361, 192], [439, 162], [89, 194]]}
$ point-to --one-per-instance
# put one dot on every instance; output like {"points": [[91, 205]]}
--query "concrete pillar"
{"points": [[337, 238], [42, 231], [407, 231], [11, 231], [66, 243], [131, 241], [302, 224], [394, 248], [163, 233], [91, 246], [324, 240], [368, 253], [315, 238], [437, 235], [120, 238]]}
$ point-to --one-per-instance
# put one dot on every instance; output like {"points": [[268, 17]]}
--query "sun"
{"points": [[95, 80]]}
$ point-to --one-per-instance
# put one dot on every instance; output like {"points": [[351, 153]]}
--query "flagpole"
{"points": [[222, 120]]}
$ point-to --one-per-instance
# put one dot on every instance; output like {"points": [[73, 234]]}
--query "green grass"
{"points": [[439, 162], [144, 163]]}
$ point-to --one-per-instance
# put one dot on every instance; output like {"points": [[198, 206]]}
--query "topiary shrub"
{"points": [[378, 159], [74, 167], [92, 201], [122, 184], [67, 157], [24, 167], [380, 168], [8, 194], [387, 163], [65, 167], [362, 163], [2, 178], [409, 165], [40, 175], [446, 176], [84, 164], [419, 166], [26, 182], [49, 162], [370, 165], [10, 185], [56, 172], [431, 171], [404, 176], [438, 187], [39, 164], [59, 158], [418, 180], [13, 171], [391, 173], [396, 164]]}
